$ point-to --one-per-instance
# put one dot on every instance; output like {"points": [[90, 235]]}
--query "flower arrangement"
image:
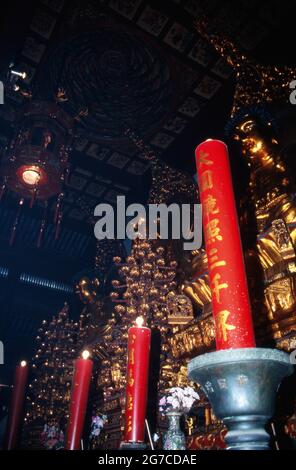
{"points": [[97, 424], [52, 437], [178, 399]]}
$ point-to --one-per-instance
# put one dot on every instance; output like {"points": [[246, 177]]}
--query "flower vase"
{"points": [[174, 438]]}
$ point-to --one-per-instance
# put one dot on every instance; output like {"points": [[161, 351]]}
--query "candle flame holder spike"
{"points": [[241, 385]]}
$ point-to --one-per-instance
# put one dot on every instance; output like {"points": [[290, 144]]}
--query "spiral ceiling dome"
{"points": [[122, 80]]}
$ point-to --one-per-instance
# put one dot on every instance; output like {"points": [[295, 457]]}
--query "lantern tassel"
{"points": [[58, 226], [2, 190], [33, 198], [58, 207], [16, 222], [42, 228]]}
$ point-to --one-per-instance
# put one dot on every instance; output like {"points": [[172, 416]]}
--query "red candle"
{"points": [[230, 298], [16, 406], [79, 396], [139, 338]]}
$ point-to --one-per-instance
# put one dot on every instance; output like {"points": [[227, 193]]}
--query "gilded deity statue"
{"points": [[260, 131]]}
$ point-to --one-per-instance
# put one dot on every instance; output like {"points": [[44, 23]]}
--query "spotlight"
{"points": [[22, 75]]}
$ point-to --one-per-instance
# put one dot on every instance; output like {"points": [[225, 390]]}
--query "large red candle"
{"points": [[79, 396], [139, 338], [16, 406], [230, 298]]}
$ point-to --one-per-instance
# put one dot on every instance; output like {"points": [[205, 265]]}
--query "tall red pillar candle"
{"points": [[79, 396], [139, 339], [230, 298], [16, 406]]}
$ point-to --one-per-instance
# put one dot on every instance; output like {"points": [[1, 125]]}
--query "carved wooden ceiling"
{"points": [[130, 64]]}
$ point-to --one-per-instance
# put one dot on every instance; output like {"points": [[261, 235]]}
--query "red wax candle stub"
{"points": [[16, 406], [230, 298], [139, 339], [78, 405]]}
